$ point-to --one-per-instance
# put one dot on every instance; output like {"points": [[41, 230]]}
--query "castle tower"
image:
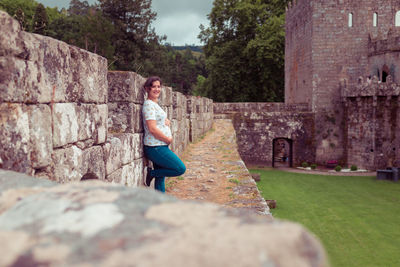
{"points": [[327, 43]]}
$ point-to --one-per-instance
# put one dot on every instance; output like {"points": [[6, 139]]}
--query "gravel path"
{"points": [[215, 172]]}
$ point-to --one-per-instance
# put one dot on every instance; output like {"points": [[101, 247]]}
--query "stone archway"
{"points": [[282, 152], [89, 176], [385, 73]]}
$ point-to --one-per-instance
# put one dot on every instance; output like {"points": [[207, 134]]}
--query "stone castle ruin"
{"points": [[342, 86], [64, 117], [332, 47], [75, 120]]}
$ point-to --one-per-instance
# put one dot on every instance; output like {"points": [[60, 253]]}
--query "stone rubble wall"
{"points": [[201, 116], [258, 124], [64, 117], [226, 108], [371, 87], [373, 112]]}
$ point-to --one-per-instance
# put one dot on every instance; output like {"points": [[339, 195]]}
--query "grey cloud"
{"points": [[178, 19]]}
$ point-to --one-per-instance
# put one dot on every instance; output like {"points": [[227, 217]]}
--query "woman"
{"points": [[157, 137]]}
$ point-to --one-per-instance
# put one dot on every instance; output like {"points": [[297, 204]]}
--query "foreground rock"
{"points": [[99, 224]]}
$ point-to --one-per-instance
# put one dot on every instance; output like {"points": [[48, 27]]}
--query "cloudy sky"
{"points": [[179, 20]]}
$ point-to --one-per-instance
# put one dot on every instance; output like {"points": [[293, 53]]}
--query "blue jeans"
{"points": [[165, 163]]}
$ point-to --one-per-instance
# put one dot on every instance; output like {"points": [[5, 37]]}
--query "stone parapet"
{"points": [[390, 42], [64, 117], [97, 224], [225, 108], [200, 115], [371, 87]]}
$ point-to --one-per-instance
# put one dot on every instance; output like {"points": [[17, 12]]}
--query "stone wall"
{"points": [[95, 224], [226, 108], [201, 116], [64, 117], [257, 125], [373, 124]]}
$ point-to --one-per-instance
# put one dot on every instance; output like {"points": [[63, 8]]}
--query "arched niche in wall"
{"points": [[397, 19], [282, 152], [350, 22], [385, 73], [89, 176]]}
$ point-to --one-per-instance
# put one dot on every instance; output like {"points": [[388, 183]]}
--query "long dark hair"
{"points": [[149, 82]]}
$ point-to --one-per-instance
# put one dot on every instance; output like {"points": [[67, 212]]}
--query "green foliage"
{"points": [[353, 167], [91, 32], [199, 85], [338, 168], [40, 19], [22, 10], [304, 164], [244, 48], [133, 39], [78, 8], [326, 206], [313, 166], [234, 181]]}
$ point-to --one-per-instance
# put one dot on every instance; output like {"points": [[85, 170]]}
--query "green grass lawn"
{"points": [[357, 218]]}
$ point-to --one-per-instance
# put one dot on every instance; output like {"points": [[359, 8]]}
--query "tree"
{"points": [[20, 16], [244, 48], [91, 31], [79, 8], [40, 20], [133, 38]]}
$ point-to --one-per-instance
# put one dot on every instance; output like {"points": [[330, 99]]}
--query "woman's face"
{"points": [[154, 91]]}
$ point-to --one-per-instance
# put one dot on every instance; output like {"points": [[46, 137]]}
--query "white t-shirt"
{"points": [[152, 111]]}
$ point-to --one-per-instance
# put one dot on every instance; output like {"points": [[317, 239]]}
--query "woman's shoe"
{"points": [[148, 176]]}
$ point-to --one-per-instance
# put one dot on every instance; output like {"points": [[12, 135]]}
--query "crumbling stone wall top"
{"points": [[221, 108]]}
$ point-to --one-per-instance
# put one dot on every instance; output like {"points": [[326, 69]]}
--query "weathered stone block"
{"points": [[23, 81], [90, 75], [92, 121], [125, 86], [115, 177], [15, 137], [112, 154], [72, 164], [132, 147], [165, 96], [133, 173], [177, 113], [93, 163], [40, 144], [124, 118], [9, 31], [68, 164], [44, 220], [65, 124], [174, 126]]}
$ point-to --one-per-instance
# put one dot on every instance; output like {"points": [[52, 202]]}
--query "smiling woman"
{"points": [[157, 137]]}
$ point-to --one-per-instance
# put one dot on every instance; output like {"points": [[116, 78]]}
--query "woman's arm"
{"points": [[152, 125]]}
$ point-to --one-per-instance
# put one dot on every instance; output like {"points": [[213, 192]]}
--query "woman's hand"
{"points": [[167, 122], [169, 140]]}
